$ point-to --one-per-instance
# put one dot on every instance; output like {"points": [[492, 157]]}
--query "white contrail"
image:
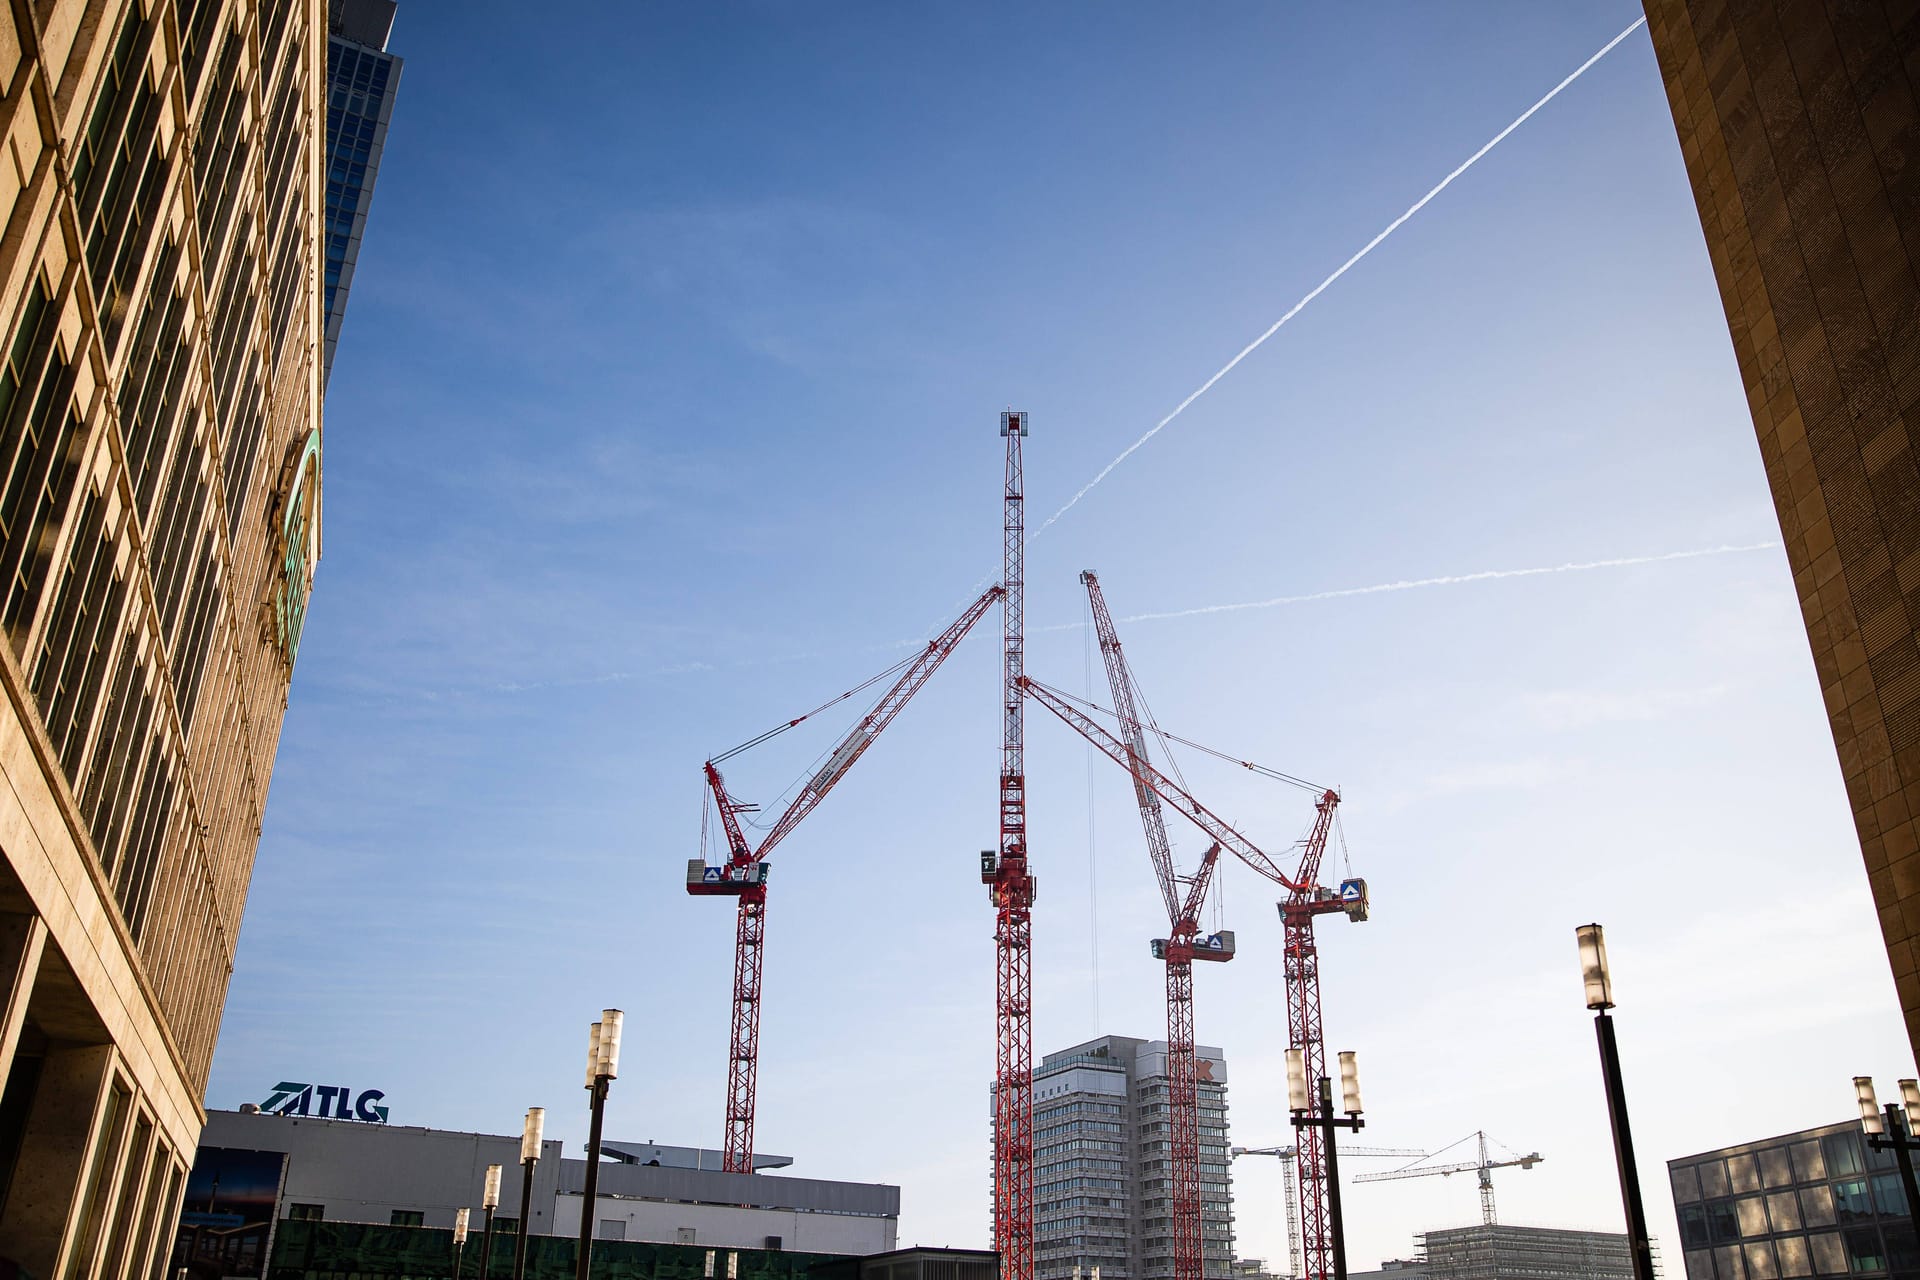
{"points": [[1449, 580], [1344, 267]]}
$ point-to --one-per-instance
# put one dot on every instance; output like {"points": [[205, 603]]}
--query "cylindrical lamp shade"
{"points": [[1869, 1105], [1349, 1084], [1910, 1095], [491, 1200], [610, 1021], [1593, 966], [593, 1054], [1298, 1098], [530, 1136], [459, 1226]]}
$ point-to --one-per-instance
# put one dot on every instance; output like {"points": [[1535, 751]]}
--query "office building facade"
{"points": [[1819, 1202], [159, 525], [1797, 121], [1102, 1130], [362, 78]]}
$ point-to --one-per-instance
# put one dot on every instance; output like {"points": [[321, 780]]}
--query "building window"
{"points": [[1843, 1154], [1892, 1198], [408, 1218], [505, 1226], [1851, 1200], [1864, 1251], [1816, 1206], [306, 1212], [1720, 1217]]}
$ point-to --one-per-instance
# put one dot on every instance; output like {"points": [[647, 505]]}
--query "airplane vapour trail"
{"points": [[1448, 580], [1344, 267]]}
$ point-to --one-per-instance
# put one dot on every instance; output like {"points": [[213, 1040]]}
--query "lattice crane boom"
{"points": [[1483, 1166], [1175, 796], [1305, 900], [744, 874], [1178, 951]]}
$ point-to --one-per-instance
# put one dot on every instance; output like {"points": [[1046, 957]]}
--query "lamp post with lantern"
{"points": [[1894, 1132], [459, 1241], [529, 1157], [603, 1064], [489, 1201], [1311, 1112], [1599, 990]]}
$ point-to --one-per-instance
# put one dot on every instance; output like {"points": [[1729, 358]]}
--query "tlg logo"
{"points": [[336, 1102]]}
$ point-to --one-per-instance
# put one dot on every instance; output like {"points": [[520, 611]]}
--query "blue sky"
{"points": [[667, 407]]}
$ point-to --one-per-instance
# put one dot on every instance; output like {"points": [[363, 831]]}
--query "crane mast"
{"points": [[744, 874], [1178, 951], [1010, 887], [1305, 900]]}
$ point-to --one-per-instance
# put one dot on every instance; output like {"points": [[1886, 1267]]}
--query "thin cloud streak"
{"points": [[1447, 580], [1344, 267]]}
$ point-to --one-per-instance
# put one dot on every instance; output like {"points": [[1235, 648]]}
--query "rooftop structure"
{"points": [[362, 78]]}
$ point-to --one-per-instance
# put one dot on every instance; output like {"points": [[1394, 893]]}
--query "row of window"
{"points": [[1848, 1201], [132, 1187], [1832, 1155], [1865, 1251]]}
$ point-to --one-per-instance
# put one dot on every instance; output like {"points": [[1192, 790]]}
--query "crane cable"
{"points": [[1260, 769], [775, 732]]}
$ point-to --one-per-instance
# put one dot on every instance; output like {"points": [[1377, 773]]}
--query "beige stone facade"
{"points": [[161, 191], [1799, 127]]}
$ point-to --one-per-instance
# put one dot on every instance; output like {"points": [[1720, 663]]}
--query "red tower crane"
{"points": [[1305, 900], [744, 874], [1010, 887], [1179, 950]]}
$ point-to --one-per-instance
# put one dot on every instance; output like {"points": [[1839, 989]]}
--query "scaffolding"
{"points": [[1524, 1253]]}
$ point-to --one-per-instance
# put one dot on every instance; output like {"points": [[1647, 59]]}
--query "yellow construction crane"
{"points": [[1484, 1166]]}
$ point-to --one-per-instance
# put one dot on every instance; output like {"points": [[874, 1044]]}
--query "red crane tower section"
{"points": [[744, 874], [1178, 951], [1305, 900], [1010, 887]]}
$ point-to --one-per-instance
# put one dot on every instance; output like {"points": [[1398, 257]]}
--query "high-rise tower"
{"points": [[1103, 1191], [362, 78], [160, 387]]}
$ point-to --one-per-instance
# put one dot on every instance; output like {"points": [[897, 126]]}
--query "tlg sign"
{"points": [[325, 1101]]}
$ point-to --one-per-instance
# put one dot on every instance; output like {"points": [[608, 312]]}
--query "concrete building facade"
{"points": [[1797, 121], [160, 184], [352, 1171], [1101, 1136]]}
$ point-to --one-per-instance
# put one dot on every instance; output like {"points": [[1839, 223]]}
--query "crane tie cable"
{"points": [[1260, 769]]}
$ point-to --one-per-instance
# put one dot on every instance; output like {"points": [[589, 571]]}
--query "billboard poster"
{"points": [[226, 1217]]}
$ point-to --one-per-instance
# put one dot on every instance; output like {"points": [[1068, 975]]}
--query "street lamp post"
{"points": [[603, 1064], [459, 1240], [1894, 1133], [1309, 1112], [1599, 989], [489, 1201], [529, 1157]]}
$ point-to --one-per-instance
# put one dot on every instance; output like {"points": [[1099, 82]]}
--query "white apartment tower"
{"points": [[1101, 1135]]}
